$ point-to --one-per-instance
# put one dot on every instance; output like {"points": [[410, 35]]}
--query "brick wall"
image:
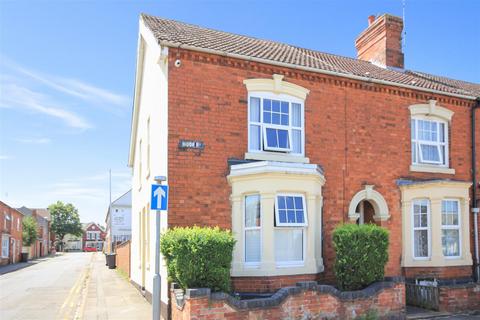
{"points": [[123, 257], [457, 298], [307, 300], [13, 228], [361, 125]]}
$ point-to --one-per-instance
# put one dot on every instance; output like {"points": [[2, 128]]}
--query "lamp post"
{"points": [[157, 280]]}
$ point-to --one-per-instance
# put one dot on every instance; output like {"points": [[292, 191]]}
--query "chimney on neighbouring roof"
{"points": [[381, 42]]}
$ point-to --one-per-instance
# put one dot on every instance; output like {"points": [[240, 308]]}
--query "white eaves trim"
{"points": [[293, 66], [146, 34]]}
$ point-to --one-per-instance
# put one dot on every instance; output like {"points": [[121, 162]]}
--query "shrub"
{"points": [[361, 255], [29, 231], [198, 257]]}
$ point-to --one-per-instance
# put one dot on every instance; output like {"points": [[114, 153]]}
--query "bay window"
{"points": [[450, 228], [434, 218]]}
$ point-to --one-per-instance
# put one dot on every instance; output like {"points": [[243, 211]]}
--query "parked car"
{"points": [[90, 249]]}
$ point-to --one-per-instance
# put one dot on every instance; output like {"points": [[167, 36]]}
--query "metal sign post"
{"points": [[159, 201]]}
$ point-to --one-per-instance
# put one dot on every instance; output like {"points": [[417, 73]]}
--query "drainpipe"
{"points": [[475, 209]]}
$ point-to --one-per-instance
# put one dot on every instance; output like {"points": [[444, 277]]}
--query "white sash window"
{"points": [[275, 124]]}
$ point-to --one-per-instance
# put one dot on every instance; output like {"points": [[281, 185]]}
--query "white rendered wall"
{"points": [[152, 104]]}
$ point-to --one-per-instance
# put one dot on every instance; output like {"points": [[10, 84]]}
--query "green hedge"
{"points": [[361, 255], [198, 257]]}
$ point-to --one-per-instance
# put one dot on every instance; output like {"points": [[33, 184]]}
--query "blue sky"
{"points": [[67, 74]]}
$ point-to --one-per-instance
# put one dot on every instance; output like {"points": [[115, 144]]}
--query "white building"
{"points": [[119, 229], [148, 159], [72, 242]]}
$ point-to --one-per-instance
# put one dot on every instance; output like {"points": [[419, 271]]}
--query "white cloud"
{"points": [[34, 140], [14, 95], [75, 87], [5, 157]]}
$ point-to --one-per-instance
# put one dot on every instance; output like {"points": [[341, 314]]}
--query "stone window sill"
{"points": [[273, 156], [431, 169]]}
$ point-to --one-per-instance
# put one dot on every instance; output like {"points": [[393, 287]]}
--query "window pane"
{"points": [[421, 243], [276, 118], [414, 152], [288, 245], [451, 242], [255, 137], [272, 138], [252, 246], [300, 216], [291, 216], [281, 202], [267, 104], [290, 203], [414, 136], [252, 211], [284, 120], [298, 203], [284, 107], [255, 109], [282, 216], [276, 106], [283, 139], [442, 132], [450, 213], [267, 117], [430, 153], [296, 141], [296, 115]]}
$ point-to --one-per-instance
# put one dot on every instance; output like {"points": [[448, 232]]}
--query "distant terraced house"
{"points": [[281, 144]]}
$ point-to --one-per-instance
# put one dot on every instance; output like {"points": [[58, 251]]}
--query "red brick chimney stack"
{"points": [[381, 42]]}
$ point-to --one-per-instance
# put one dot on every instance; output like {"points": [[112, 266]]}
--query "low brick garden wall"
{"points": [[123, 257], [459, 297], [306, 300]]}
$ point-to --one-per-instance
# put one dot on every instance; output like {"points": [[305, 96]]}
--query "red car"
{"points": [[90, 249]]}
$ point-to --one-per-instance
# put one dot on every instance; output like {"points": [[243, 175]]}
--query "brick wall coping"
{"points": [[123, 244], [278, 297]]}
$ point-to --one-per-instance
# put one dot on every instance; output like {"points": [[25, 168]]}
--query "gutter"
{"points": [[310, 69], [475, 208]]}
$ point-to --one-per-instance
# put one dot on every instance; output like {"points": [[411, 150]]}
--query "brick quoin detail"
{"points": [[358, 132]]}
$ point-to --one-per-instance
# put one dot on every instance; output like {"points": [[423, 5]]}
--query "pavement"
{"points": [[69, 286], [414, 313]]}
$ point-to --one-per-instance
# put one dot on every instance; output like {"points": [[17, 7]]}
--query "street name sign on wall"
{"points": [[159, 199]]}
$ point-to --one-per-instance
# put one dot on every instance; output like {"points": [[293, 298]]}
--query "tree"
{"points": [[29, 233], [65, 220]]}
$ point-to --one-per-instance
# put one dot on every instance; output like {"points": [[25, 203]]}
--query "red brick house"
{"points": [[42, 245], [93, 236], [11, 234], [281, 144]]}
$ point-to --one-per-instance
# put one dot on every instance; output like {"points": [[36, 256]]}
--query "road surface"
{"points": [[70, 286]]}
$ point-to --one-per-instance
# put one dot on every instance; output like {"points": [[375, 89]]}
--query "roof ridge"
{"points": [[174, 33]]}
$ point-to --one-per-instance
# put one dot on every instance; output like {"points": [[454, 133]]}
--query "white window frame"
{"points": [[416, 143], [453, 227], [289, 224], [279, 127], [5, 240], [293, 226], [297, 263], [252, 264], [290, 127], [428, 228]]}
